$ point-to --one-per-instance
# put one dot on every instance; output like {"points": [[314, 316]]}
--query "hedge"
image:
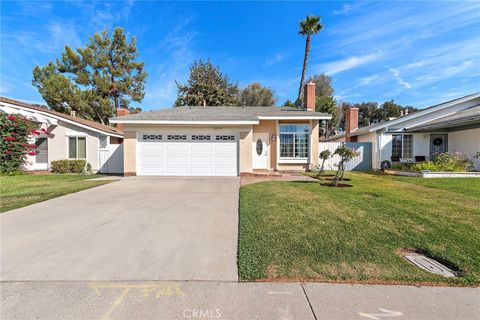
{"points": [[68, 166]]}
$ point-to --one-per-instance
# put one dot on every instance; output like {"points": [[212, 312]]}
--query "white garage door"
{"points": [[200, 154]]}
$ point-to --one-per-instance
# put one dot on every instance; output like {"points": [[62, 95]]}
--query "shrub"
{"points": [[68, 166], [15, 131], [447, 162]]}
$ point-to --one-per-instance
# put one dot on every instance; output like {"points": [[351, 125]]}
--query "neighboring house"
{"points": [[69, 137], [221, 141], [452, 126]]}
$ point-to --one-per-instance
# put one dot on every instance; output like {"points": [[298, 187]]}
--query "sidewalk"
{"points": [[232, 300]]}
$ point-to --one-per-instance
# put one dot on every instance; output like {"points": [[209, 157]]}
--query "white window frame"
{"points": [[402, 156], [294, 159], [76, 146]]}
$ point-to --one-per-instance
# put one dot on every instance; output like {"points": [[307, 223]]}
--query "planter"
{"points": [[434, 174]]}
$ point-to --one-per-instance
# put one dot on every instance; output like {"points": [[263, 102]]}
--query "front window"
{"points": [[294, 141], [402, 146], [77, 148]]}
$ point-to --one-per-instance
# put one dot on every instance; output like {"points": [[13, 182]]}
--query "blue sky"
{"points": [[418, 53]]}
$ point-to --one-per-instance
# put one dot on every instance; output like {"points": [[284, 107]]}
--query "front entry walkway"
{"points": [[132, 229]]}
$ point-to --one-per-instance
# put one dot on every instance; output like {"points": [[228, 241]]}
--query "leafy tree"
{"points": [[256, 95], [207, 85], [15, 131], [368, 113], [308, 27], [323, 85], [346, 155], [289, 103], [328, 105], [95, 79], [134, 110]]}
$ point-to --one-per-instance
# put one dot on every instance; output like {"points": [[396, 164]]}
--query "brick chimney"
{"points": [[121, 112], [309, 96], [351, 122]]}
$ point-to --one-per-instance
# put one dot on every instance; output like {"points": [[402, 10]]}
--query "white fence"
{"points": [[111, 159], [361, 163]]}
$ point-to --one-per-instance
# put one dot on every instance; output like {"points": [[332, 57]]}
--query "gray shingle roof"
{"points": [[218, 113]]}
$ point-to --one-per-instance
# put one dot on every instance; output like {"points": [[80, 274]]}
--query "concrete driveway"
{"points": [[132, 229]]}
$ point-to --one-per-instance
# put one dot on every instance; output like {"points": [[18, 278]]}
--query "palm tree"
{"points": [[311, 25]]}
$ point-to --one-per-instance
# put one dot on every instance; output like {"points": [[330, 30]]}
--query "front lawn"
{"points": [[18, 191], [305, 231]]}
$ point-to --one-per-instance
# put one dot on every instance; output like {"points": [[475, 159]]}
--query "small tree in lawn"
{"points": [[15, 131], [324, 155], [346, 154]]}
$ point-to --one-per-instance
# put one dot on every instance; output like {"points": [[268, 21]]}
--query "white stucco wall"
{"points": [[58, 144], [465, 141]]}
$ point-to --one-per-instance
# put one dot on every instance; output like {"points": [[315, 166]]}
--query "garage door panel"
{"points": [[176, 147], [202, 147], [199, 159], [187, 158], [225, 147], [177, 159]]}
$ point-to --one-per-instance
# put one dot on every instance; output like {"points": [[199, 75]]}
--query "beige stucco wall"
{"points": [[245, 134], [130, 153], [58, 144], [314, 139], [245, 150], [465, 141]]}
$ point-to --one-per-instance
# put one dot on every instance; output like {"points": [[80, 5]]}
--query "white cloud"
{"points": [[279, 57], [399, 79], [176, 50], [365, 81], [335, 67], [345, 9]]}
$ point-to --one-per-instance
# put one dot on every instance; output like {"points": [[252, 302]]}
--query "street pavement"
{"points": [[160, 300]]}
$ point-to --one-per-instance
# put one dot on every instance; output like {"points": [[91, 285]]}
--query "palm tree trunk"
{"points": [[304, 70]]}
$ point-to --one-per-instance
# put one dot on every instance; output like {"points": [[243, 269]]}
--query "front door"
{"points": [[438, 143], [260, 153]]}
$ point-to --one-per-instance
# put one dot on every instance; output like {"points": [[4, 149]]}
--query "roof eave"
{"points": [[294, 117], [186, 122]]}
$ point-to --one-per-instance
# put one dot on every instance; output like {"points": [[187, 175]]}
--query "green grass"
{"points": [[305, 231], [18, 191]]}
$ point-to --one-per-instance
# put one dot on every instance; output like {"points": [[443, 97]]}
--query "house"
{"points": [[452, 126], [69, 137], [221, 141]]}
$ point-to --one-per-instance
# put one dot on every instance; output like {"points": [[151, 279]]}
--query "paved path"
{"points": [[132, 229], [230, 300]]}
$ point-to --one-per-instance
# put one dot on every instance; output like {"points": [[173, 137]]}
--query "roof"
{"points": [[462, 118], [383, 124], [44, 110], [219, 114]]}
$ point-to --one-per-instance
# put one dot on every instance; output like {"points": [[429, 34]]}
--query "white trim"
{"points": [[65, 120], [30, 114], [185, 122], [67, 138], [293, 160], [424, 112], [76, 134], [294, 118], [290, 159]]}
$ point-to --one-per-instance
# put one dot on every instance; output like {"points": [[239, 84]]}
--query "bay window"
{"points": [[402, 146], [294, 141], [77, 148]]}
